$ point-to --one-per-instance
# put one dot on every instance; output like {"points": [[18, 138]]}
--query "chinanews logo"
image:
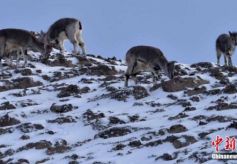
{"points": [[228, 143]]}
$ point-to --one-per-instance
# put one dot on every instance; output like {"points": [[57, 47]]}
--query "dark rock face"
{"points": [[6, 120], [113, 132], [61, 108], [179, 84]]}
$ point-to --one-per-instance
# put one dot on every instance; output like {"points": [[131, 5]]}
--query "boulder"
{"points": [[180, 84]]}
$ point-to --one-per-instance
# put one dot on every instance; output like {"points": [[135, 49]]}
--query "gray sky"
{"points": [[185, 30]]}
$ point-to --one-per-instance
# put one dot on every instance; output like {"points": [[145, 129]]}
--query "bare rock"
{"points": [[61, 108], [177, 129], [179, 84], [115, 120], [70, 90], [29, 127], [26, 72], [113, 132], [25, 82], [60, 146], [89, 115], [63, 120], [223, 106], [139, 92], [207, 65], [230, 89], [7, 106], [42, 144], [196, 90], [102, 70], [6, 120]]}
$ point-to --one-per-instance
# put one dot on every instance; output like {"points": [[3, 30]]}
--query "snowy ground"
{"points": [[76, 109]]}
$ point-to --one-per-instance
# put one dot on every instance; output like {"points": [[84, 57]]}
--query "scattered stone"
{"points": [[84, 90], [195, 98], [101, 69], [188, 109], [63, 120], [23, 161], [167, 157], [29, 127], [178, 116], [120, 95], [139, 92], [177, 129], [6, 120], [213, 92], [61, 108], [119, 147], [113, 132], [26, 72], [70, 90], [179, 142], [136, 143], [179, 84], [115, 120], [133, 118], [230, 89], [7, 106], [25, 137], [207, 65], [89, 115], [42, 144], [223, 106], [196, 90], [155, 87], [216, 72], [232, 125], [59, 147], [25, 82], [172, 97]]}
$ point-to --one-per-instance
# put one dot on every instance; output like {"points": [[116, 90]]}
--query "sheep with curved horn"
{"points": [[20, 41], [62, 29], [147, 58]]}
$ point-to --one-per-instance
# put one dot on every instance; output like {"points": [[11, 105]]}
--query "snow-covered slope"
{"points": [[76, 109]]}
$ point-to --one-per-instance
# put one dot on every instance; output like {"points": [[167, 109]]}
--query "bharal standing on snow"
{"points": [[19, 41], [147, 58], [225, 44], [62, 29]]}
